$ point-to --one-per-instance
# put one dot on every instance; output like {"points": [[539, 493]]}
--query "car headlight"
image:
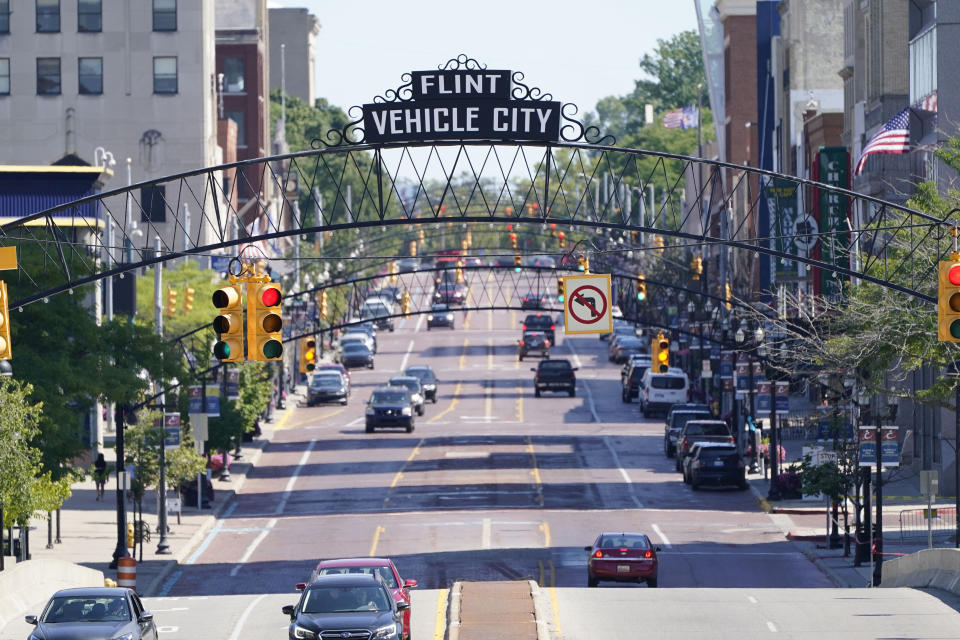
{"points": [[417, 397], [407, 411], [370, 411], [342, 390], [429, 318], [387, 631], [450, 317], [301, 632], [126, 636]]}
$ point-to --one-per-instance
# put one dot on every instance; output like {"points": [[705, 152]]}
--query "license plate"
{"points": [[623, 568], [718, 463]]}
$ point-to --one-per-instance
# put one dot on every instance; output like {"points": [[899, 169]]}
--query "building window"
{"points": [[240, 119], [4, 76], [233, 75], [4, 16], [153, 204], [91, 76], [89, 16], [48, 76], [165, 75], [48, 16], [164, 15]]}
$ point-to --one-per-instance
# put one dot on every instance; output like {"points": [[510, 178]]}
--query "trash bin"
{"points": [[16, 547]]}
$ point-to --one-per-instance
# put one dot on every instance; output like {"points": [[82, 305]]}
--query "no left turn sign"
{"points": [[587, 308]]}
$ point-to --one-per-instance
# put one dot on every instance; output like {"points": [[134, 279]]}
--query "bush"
{"points": [[790, 483]]}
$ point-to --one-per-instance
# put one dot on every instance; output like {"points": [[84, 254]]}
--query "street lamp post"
{"points": [[121, 549]]}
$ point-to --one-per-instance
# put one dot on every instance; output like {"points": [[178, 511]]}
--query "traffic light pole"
{"points": [[162, 547]]}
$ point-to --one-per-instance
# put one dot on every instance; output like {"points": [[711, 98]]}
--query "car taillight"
{"points": [[553, 327], [686, 445], [647, 554], [731, 440], [598, 554], [524, 327]]}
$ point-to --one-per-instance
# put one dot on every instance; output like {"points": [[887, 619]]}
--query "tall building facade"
{"points": [[295, 65]]}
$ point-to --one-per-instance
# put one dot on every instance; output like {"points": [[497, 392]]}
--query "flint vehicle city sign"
{"points": [[462, 104]]}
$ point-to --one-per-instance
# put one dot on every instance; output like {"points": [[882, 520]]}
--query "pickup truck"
{"points": [[700, 431], [554, 375]]}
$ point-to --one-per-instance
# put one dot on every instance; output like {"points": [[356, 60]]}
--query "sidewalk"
{"points": [[88, 527]]}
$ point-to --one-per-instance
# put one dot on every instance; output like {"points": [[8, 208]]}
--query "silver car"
{"points": [[412, 384]]}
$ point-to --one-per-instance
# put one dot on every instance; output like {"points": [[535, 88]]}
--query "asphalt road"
{"points": [[495, 484]]}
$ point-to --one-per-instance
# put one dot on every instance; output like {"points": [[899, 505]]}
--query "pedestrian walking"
{"points": [[100, 475]]}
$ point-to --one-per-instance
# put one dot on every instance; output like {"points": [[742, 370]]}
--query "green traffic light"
{"points": [[641, 296], [272, 349], [559, 298], [955, 329], [221, 350]]}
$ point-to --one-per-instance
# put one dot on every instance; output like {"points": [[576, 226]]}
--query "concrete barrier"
{"points": [[24, 584], [938, 568]]}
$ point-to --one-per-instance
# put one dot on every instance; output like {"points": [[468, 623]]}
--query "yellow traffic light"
{"points": [[264, 322], [561, 239], [171, 308], [728, 295], [322, 308], [696, 266], [658, 243], [131, 538], [188, 294], [229, 324], [560, 290], [641, 288], [413, 248], [517, 263], [583, 263], [513, 241], [948, 300], [660, 353], [405, 302], [420, 235], [5, 344], [308, 355]]}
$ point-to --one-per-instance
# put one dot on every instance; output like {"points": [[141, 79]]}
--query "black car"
{"points": [[630, 383], [389, 407], [390, 294], [428, 380], [450, 293], [94, 612], [533, 300], [349, 605], [407, 265], [715, 463], [541, 322], [327, 386], [355, 355], [554, 375], [533, 342], [440, 316]]}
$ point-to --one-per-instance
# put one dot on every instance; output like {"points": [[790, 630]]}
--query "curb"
{"points": [[794, 536], [825, 569], [453, 611], [796, 511], [543, 624]]}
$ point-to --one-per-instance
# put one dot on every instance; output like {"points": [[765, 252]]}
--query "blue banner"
{"points": [[868, 454]]}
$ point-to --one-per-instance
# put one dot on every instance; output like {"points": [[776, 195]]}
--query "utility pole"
{"points": [[162, 547]]}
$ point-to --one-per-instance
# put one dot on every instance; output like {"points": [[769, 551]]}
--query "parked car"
{"points": [[428, 380], [620, 328], [411, 384], [715, 463], [700, 431], [346, 606], [554, 375], [389, 407], [622, 557], [624, 347], [660, 391], [541, 322], [327, 386], [94, 612], [630, 383], [676, 419], [533, 300], [533, 342], [440, 316], [384, 567], [356, 355]]}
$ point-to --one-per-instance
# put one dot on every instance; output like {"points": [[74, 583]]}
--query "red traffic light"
{"points": [[270, 297], [954, 275]]}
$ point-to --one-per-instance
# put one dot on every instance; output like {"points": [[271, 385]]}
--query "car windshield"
{"points": [[624, 541], [345, 599], [425, 375], [556, 365], [439, 307], [355, 347], [393, 397], [410, 384], [681, 418], [707, 429], [326, 380], [87, 609], [384, 572], [668, 382], [637, 374]]}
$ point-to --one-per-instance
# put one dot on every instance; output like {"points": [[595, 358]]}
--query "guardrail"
{"points": [[914, 522]]}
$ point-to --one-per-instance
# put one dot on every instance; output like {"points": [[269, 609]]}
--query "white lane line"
{"points": [[590, 403], [752, 600], [663, 537], [238, 628], [406, 357], [210, 536], [771, 626], [419, 323], [253, 546], [485, 534], [293, 478], [623, 473], [354, 422]]}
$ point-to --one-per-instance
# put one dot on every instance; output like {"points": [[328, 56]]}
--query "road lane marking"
{"points": [[519, 405], [283, 419], [440, 624], [556, 613], [210, 536], [253, 546], [376, 540], [355, 422], [771, 626], [293, 478], [535, 471], [243, 617], [485, 534], [463, 356], [325, 416], [662, 535], [752, 600], [590, 403], [546, 534], [399, 474], [453, 404], [623, 473], [406, 357]]}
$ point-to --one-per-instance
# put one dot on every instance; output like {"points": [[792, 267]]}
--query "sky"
{"points": [[578, 51]]}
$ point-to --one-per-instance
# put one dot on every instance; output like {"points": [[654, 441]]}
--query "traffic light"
{"points": [[561, 239], [658, 243], [459, 271], [464, 245], [264, 322], [420, 235], [513, 241], [171, 308], [660, 353], [635, 237], [4, 322], [728, 295], [308, 355], [394, 271], [517, 263], [696, 266], [405, 302], [583, 263], [229, 324], [322, 304], [188, 294], [641, 288], [560, 294], [413, 248], [948, 300]]}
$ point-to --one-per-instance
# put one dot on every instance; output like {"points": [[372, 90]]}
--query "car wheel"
{"points": [[652, 582], [591, 581], [434, 399], [572, 392], [410, 428], [743, 485], [344, 402], [520, 357], [666, 447], [428, 327], [536, 393], [420, 410], [679, 468], [624, 399], [370, 366], [686, 478], [451, 326], [671, 451], [694, 484], [369, 428]]}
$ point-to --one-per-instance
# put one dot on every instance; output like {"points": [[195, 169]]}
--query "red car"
{"points": [[383, 566], [622, 557]]}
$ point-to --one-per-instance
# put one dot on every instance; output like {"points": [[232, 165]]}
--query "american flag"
{"points": [[893, 137], [684, 118], [928, 104]]}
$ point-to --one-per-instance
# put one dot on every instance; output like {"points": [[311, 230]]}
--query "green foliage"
{"points": [[237, 416], [183, 463]]}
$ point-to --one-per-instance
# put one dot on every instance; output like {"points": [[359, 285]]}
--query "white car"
{"points": [[363, 335]]}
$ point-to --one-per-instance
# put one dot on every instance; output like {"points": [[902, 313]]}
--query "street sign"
{"points": [[587, 307], [929, 483]]}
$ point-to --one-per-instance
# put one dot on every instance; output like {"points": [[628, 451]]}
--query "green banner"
{"points": [[834, 210], [781, 198]]}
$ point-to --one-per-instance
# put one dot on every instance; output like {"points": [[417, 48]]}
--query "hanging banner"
{"points": [[782, 389], [781, 201], [233, 384], [196, 399], [726, 365], [868, 445], [171, 431], [212, 408], [764, 400], [833, 168], [890, 446]]}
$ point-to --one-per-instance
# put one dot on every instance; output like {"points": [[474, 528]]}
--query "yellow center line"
{"points": [[519, 405], [535, 472], [463, 356], [558, 630], [440, 626], [282, 423], [376, 540], [398, 476], [453, 404]]}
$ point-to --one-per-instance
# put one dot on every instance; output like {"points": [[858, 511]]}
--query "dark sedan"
{"points": [[428, 380], [355, 605], [328, 386], [533, 300], [389, 407], [93, 613], [450, 293], [440, 316], [355, 355], [622, 557]]}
